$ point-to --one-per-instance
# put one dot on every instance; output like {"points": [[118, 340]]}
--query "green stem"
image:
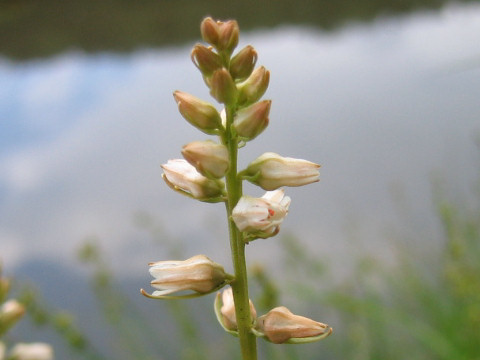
{"points": [[240, 284]]}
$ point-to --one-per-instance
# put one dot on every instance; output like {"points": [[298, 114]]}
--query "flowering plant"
{"points": [[233, 82]]}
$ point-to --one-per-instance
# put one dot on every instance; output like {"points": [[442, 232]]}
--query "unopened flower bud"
{"points": [[210, 31], [183, 177], [242, 64], [198, 274], [10, 312], [271, 171], [33, 351], [222, 35], [251, 121], [229, 33], [205, 59], [261, 216], [197, 112], [227, 310], [279, 325], [252, 89], [209, 158], [222, 87]]}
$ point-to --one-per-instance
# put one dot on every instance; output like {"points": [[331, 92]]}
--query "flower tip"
{"points": [[176, 95]]}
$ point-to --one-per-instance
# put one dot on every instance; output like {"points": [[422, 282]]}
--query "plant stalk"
{"points": [[239, 286]]}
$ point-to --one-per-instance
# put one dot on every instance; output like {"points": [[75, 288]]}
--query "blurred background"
{"points": [[384, 94]]}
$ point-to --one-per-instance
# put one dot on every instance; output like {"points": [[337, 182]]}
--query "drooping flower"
{"points": [[261, 217], [271, 171], [279, 325], [183, 177], [198, 274], [209, 158], [227, 311]]}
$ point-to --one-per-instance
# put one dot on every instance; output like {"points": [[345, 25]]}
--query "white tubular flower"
{"points": [[271, 171], [183, 177], [261, 216], [279, 325], [227, 310], [33, 351], [209, 158], [198, 274]]}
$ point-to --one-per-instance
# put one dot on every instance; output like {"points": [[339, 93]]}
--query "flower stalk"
{"points": [[248, 342]]}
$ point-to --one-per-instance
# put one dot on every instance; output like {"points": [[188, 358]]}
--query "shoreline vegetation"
{"points": [[32, 29]]}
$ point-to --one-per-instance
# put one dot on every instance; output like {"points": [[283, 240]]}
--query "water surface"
{"points": [[383, 107]]}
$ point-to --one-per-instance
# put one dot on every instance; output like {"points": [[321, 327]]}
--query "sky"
{"points": [[384, 107]]}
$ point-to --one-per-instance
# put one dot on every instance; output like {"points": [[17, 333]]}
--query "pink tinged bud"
{"points": [[198, 274], [271, 171], [184, 178], [279, 325], [261, 217], [227, 310], [229, 33], [209, 158], [210, 31], [33, 351], [205, 60], [242, 64], [10, 313], [222, 87], [199, 113], [249, 122], [252, 89], [222, 35]]}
